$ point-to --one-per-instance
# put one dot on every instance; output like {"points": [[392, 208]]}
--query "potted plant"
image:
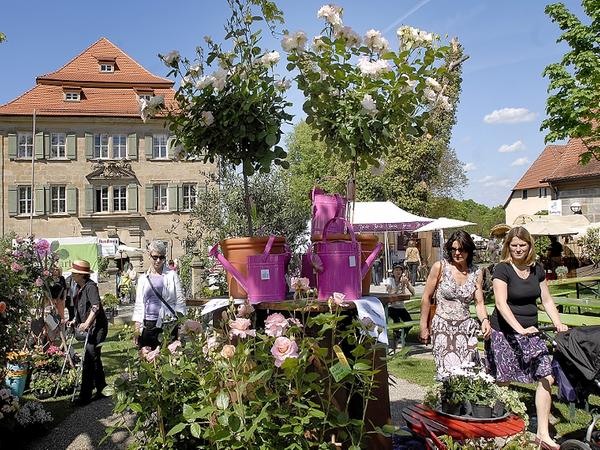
{"points": [[110, 302], [361, 95]]}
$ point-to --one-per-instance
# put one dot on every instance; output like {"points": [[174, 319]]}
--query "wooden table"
{"points": [[578, 303], [418, 415], [581, 284]]}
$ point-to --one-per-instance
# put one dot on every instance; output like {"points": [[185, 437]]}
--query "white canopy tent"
{"points": [[441, 224], [383, 217], [555, 225]]}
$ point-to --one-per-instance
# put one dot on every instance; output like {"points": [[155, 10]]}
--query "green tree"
{"points": [[412, 170], [572, 106], [2, 37], [591, 245], [469, 210]]}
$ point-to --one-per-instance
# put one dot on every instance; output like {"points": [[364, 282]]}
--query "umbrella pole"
{"points": [[442, 242]]}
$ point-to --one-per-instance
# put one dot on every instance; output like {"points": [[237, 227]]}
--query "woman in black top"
{"points": [[517, 352]]}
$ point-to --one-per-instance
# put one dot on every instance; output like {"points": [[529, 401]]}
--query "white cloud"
{"points": [[491, 181], [468, 167], [510, 115], [520, 161], [514, 147]]}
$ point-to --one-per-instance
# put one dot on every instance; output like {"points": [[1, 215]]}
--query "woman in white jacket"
{"points": [[157, 286]]}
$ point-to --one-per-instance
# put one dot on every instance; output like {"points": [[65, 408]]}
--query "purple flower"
{"points": [[16, 267], [42, 247]]}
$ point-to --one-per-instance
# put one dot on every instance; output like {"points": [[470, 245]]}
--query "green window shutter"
{"points": [[12, 146], [172, 196], [12, 201], [148, 143], [72, 146], [132, 198], [89, 145], [40, 201], [39, 146], [180, 197], [71, 199], [149, 198], [171, 147], [47, 199], [132, 148], [89, 199], [47, 145]]}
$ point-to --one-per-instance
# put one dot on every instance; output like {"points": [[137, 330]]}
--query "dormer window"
{"points": [[72, 96], [107, 68], [144, 94]]}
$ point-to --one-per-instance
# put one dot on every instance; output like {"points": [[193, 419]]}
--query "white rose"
{"points": [[270, 59], [205, 81], [332, 14], [171, 58], [432, 83], [369, 105], [350, 36]]}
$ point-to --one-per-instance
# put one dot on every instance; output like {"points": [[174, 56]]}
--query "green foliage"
{"points": [[110, 301], [226, 387], [2, 37], [541, 245], [103, 263], [468, 210], [574, 89], [591, 245]]}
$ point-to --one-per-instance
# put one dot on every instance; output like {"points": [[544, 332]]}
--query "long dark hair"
{"points": [[465, 241]]}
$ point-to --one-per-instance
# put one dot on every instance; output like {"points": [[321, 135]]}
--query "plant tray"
{"points": [[473, 419]]}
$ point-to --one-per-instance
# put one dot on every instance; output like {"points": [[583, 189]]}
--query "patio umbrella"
{"points": [[500, 230], [441, 224], [123, 251]]}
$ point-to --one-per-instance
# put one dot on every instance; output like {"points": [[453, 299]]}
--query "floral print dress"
{"points": [[453, 331]]}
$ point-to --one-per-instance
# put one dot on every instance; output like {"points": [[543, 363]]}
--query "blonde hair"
{"points": [[524, 235]]}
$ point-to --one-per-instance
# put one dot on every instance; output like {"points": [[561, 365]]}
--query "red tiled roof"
{"points": [[541, 168], [569, 166], [85, 68], [102, 94]]}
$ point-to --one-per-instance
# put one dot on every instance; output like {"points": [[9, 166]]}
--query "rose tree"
{"points": [[233, 112], [360, 94]]}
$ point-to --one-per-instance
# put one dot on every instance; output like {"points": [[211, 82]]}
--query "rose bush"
{"points": [[236, 386]]}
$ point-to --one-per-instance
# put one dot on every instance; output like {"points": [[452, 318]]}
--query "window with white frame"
{"points": [[119, 198], [101, 146], [107, 67], [72, 96], [119, 146], [58, 147], [24, 199], [159, 146], [58, 199], [160, 197], [189, 196], [25, 145], [101, 199], [146, 97]]}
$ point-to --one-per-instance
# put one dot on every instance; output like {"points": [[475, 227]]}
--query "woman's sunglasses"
{"points": [[157, 257]]}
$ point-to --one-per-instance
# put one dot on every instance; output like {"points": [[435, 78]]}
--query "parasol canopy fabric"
{"points": [[443, 223], [499, 230]]}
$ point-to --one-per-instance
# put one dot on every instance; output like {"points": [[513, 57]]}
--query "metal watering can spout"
{"points": [[370, 260], [214, 252]]}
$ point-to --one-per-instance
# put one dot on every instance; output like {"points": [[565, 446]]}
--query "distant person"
{"points": [[376, 272], [412, 259], [399, 283], [554, 253]]}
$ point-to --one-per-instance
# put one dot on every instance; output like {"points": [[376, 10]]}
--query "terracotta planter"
{"points": [[367, 245], [237, 250]]}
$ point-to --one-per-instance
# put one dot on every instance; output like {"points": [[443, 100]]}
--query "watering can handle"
{"points": [[214, 252], [370, 259], [348, 225], [269, 245]]}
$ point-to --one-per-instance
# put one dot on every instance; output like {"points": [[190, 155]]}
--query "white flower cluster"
{"points": [[294, 42], [413, 37], [373, 69], [270, 59], [351, 38], [9, 403], [171, 58], [318, 44], [375, 41], [332, 14], [32, 413], [433, 94], [470, 371], [149, 108], [283, 85], [369, 106]]}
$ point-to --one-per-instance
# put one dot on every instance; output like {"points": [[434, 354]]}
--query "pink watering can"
{"points": [[340, 264], [266, 273]]}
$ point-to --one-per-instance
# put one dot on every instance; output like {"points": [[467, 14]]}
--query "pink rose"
{"points": [[39, 282], [276, 324], [241, 327], [245, 310], [15, 267], [282, 349], [338, 298], [228, 351], [294, 321], [300, 284], [191, 326], [46, 273], [42, 247], [173, 346]]}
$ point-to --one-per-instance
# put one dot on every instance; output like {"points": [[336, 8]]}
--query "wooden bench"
{"points": [[565, 293]]}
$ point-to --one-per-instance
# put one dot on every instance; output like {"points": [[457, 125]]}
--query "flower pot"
{"points": [[499, 409], [16, 378], [237, 250], [367, 245], [482, 411], [451, 408]]}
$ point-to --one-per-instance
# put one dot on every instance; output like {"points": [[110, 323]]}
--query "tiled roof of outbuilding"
{"points": [[541, 168], [569, 166]]}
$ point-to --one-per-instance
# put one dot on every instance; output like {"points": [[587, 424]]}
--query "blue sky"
{"points": [[503, 94]]}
